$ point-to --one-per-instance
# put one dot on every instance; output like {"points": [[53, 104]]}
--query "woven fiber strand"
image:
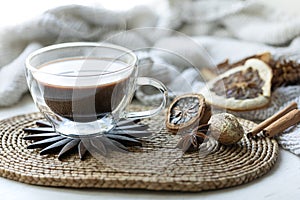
{"points": [[160, 167]]}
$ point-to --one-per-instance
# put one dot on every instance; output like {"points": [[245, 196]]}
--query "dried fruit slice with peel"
{"points": [[246, 87], [187, 111], [226, 65]]}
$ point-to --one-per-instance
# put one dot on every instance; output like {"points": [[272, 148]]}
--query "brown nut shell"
{"points": [[225, 128], [187, 111]]}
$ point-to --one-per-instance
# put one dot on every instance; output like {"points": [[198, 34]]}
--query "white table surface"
{"points": [[282, 182]]}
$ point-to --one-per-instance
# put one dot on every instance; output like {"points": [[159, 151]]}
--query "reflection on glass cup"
{"points": [[84, 88]]}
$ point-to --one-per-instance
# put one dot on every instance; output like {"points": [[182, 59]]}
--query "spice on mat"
{"points": [[225, 128], [191, 141], [187, 111]]}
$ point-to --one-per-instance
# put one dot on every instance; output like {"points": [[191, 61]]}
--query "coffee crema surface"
{"points": [[83, 89]]}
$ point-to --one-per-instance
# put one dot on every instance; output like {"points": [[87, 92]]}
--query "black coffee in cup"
{"points": [[83, 90]]}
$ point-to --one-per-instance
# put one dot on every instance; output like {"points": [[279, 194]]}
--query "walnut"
{"points": [[225, 128]]}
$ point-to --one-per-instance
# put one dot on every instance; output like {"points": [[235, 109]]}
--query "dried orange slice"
{"points": [[246, 87], [187, 111]]}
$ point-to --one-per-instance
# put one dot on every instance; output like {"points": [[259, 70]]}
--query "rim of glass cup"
{"points": [[80, 44]]}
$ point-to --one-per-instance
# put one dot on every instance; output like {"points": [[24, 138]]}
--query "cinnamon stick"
{"points": [[272, 119], [288, 120]]}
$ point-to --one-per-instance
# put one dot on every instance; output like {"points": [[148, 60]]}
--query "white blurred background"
{"points": [[16, 11], [13, 12]]}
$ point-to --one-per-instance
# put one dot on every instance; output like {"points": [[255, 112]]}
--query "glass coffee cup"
{"points": [[83, 88]]}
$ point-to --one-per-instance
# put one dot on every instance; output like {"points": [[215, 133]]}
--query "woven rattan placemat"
{"points": [[158, 165]]}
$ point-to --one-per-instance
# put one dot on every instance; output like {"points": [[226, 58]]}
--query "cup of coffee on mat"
{"points": [[83, 88]]}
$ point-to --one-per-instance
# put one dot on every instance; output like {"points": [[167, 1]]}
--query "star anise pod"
{"points": [[191, 141]]}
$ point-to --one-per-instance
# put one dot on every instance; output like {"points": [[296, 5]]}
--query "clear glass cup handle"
{"points": [[148, 113]]}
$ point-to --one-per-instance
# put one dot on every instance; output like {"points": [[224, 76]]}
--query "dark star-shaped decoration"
{"points": [[126, 134]]}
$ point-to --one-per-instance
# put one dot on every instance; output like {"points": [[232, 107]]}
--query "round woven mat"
{"points": [[158, 165]]}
